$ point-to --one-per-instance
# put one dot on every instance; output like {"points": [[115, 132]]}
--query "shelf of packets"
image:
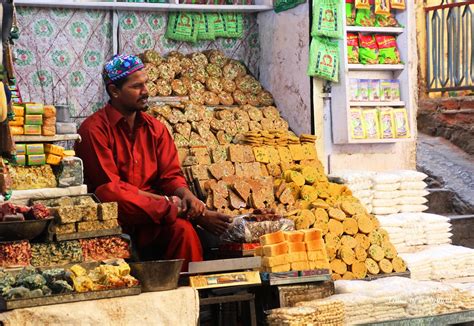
{"points": [[374, 92], [369, 14], [380, 123], [36, 119]]}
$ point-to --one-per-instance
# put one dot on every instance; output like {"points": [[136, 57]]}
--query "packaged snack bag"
{"points": [[324, 59], [382, 7], [352, 48], [182, 26], [365, 17], [386, 21], [398, 4], [282, 5], [402, 126], [388, 51], [374, 90], [357, 127], [233, 24], [386, 90], [371, 124], [350, 13], [363, 90], [362, 4], [327, 19], [353, 90], [368, 50], [387, 123], [395, 90], [206, 26]]}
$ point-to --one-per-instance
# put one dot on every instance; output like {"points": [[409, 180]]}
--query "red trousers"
{"points": [[173, 238]]}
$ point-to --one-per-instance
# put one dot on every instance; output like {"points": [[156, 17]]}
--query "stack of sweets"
{"points": [[275, 137], [17, 124], [329, 312], [33, 118], [315, 249], [360, 183], [30, 154], [297, 256], [49, 121], [412, 191], [54, 154], [307, 138], [274, 252], [385, 187]]}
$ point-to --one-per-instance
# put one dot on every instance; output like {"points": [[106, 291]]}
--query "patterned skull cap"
{"points": [[121, 66]]}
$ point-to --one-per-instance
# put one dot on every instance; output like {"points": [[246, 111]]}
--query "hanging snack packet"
{"points": [[386, 21], [382, 7], [352, 48], [362, 4], [233, 25], [365, 17], [350, 13], [353, 90], [357, 126], [371, 124], [182, 26], [386, 90], [205, 27], [395, 90], [327, 19], [282, 5], [398, 4], [374, 90], [368, 50], [388, 51], [218, 22], [324, 59], [387, 123], [402, 126], [363, 90]]}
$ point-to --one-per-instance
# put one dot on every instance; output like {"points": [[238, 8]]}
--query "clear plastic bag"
{"points": [[244, 231], [70, 172]]}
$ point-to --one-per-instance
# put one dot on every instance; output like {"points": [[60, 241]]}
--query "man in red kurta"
{"points": [[129, 157]]}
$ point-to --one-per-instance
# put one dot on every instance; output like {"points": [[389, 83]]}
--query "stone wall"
{"points": [[463, 230], [451, 118]]}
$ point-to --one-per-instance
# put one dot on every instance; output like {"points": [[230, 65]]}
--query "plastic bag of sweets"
{"points": [[282, 5], [327, 18], [387, 123], [402, 126], [382, 7], [205, 27], [398, 4], [371, 123], [324, 59], [365, 17], [357, 127], [386, 21], [368, 49], [362, 4], [350, 13], [233, 25], [182, 26], [352, 48], [388, 51]]}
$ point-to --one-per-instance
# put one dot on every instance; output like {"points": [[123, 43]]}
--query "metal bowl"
{"points": [[157, 275], [23, 230]]}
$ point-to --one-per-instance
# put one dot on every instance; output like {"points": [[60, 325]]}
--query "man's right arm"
{"points": [[102, 174]]}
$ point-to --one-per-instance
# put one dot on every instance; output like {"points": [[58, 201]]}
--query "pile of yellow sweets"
{"points": [[355, 243]]}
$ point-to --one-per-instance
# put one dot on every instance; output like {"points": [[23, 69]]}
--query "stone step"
{"points": [[462, 230], [440, 201]]}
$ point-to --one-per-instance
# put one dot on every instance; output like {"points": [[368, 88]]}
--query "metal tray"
{"points": [[295, 277], [375, 277], [23, 230], [65, 298], [159, 275]]}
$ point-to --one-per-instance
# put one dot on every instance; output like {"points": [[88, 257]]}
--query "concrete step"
{"points": [[463, 230]]}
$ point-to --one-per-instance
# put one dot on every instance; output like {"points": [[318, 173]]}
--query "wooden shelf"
{"points": [[379, 141], [97, 5], [354, 67], [32, 138], [383, 30], [394, 103]]}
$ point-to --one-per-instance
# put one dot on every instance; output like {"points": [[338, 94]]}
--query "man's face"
{"points": [[133, 95]]}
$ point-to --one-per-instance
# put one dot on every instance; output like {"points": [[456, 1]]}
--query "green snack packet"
{"points": [[364, 17], [324, 59], [327, 19], [182, 26], [218, 21], [350, 14], [205, 27], [233, 25], [282, 5]]}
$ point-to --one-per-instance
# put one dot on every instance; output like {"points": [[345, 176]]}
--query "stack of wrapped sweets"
{"points": [[385, 187], [397, 298], [412, 191], [49, 121], [329, 312], [293, 250], [30, 154], [409, 231], [360, 183], [440, 262]]}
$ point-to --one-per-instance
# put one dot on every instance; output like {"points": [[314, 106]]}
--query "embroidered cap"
{"points": [[121, 66]]}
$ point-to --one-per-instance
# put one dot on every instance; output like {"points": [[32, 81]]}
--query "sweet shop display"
{"points": [[15, 254], [33, 119], [103, 248], [56, 253], [329, 312], [102, 277], [32, 177]]}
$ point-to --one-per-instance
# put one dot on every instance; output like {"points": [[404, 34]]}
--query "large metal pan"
{"points": [[158, 275], [23, 230]]}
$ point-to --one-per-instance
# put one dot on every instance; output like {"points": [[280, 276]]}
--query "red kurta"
{"points": [[118, 162]]}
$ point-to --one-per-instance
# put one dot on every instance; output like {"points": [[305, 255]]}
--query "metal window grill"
{"points": [[449, 33]]}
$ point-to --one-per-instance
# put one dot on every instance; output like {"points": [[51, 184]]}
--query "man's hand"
{"points": [[214, 222], [191, 206]]}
